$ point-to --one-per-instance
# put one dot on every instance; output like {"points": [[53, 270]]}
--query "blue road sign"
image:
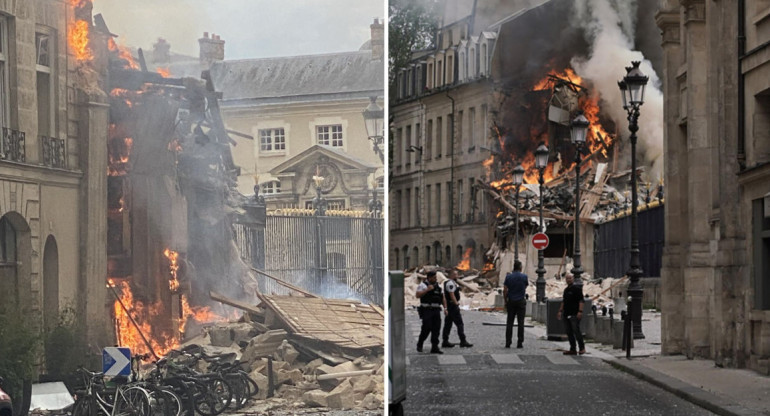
{"points": [[116, 361]]}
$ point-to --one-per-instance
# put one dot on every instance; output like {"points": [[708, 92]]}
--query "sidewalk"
{"points": [[723, 391]]}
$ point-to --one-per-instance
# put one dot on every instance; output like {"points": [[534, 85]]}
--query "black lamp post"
{"points": [[518, 178], [541, 161], [374, 118], [319, 202], [632, 88], [579, 129]]}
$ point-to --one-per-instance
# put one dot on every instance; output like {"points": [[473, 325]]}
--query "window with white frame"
{"points": [[272, 140], [45, 88], [270, 188], [329, 135]]}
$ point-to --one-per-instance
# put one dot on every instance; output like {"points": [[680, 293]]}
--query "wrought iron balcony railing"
{"points": [[53, 152], [13, 145]]}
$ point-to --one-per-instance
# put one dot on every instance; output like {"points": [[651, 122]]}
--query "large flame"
{"points": [[77, 35], [465, 263], [598, 139], [128, 335]]}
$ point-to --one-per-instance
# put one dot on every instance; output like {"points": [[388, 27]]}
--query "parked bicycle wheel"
{"points": [[132, 401], [215, 399]]}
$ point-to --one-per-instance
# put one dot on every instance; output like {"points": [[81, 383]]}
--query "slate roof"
{"points": [[346, 74]]}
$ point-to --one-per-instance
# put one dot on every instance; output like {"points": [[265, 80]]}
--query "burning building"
{"points": [[502, 78]]}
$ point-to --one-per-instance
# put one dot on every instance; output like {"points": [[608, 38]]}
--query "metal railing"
{"points": [[13, 145], [53, 154], [331, 256]]}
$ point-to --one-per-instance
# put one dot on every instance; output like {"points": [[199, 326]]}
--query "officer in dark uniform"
{"points": [[452, 298], [431, 301]]}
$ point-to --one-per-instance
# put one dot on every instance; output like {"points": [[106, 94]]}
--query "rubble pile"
{"points": [[296, 369], [600, 200], [480, 290]]}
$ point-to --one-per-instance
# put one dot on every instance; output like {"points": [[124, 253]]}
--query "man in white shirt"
{"points": [[452, 301]]}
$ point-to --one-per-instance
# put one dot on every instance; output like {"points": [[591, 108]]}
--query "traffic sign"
{"points": [[116, 361], [540, 241]]}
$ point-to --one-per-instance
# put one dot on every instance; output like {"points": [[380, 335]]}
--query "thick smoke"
{"points": [[609, 27]]}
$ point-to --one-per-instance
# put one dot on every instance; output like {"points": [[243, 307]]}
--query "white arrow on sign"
{"points": [[121, 361]]}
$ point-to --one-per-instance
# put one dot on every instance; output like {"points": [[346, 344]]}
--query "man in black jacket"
{"points": [[571, 310], [431, 301]]}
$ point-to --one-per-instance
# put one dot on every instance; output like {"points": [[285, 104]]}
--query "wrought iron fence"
{"points": [[53, 152], [612, 241], [13, 145], [332, 256]]}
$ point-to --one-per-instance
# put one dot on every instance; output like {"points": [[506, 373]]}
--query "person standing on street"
{"points": [[571, 310], [431, 301], [452, 299], [514, 292]]}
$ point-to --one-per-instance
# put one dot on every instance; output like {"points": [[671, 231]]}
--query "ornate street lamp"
{"points": [[518, 178], [579, 129], [632, 88], [319, 202], [541, 161], [374, 120]]}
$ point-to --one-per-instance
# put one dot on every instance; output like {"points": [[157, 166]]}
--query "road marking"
{"points": [[406, 360], [507, 359], [451, 359], [561, 359]]}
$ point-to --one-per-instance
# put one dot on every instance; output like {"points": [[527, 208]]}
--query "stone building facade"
{"points": [[53, 163], [305, 116], [716, 272]]}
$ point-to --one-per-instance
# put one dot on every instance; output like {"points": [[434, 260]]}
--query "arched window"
{"points": [[396, 257]]}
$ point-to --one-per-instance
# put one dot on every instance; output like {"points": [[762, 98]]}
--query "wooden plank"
{"points": [[285, 284], [236, 304]]}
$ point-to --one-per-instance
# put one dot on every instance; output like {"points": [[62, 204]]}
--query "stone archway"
{"points": [[50, 282], [15, 262]]}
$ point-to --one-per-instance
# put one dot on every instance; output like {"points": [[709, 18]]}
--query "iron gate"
{"points": [[331, 256], [612, 242]]}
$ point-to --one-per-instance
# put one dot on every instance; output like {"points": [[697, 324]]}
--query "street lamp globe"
{"points": [[635, 82], [541, 156], [518, 175], [374, 118], [579, 128]]}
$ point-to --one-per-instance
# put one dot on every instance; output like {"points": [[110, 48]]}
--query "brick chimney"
{"points": [[378, 39], [161, 51], [211, 48]]}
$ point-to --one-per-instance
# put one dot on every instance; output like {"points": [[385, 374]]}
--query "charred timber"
{"points": [[134, 80]]}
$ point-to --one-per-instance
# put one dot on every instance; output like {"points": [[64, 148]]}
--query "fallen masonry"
{"points": [[306, 352]]}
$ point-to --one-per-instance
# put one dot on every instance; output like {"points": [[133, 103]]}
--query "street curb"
{"points": [[692, 394]]}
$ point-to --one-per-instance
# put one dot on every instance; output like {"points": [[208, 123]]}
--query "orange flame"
{"points": [[197, 313], [172, 256], [123, 53], [465, 263], [128, 335], [164, 72], [78, 40], [598, 139]]}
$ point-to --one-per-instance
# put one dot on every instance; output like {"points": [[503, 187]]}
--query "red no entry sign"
{"points": [[539, 241]]}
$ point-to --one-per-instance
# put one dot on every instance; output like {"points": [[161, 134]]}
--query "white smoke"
{"points": [[609, 29]]}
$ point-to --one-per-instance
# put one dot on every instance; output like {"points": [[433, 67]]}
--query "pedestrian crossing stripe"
{"points": [[451, 359], [561, 359], [507, 359]]}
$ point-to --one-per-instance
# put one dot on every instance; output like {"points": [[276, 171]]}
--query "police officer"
{"points": [[452, 298], [431, 300]]}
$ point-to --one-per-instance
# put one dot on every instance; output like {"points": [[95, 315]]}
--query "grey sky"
{"points": [[250, 28]]}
